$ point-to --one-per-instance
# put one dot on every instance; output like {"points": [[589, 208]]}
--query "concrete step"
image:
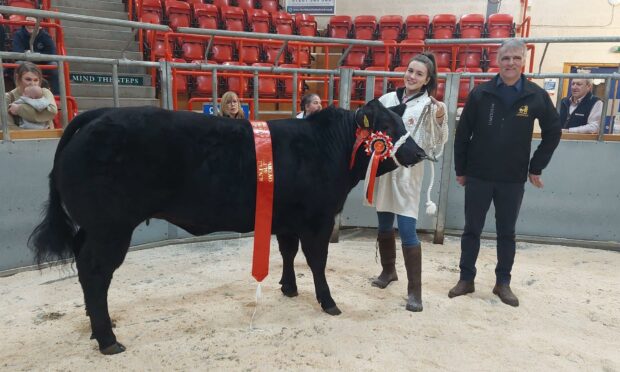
{"points": [[114, 6], [98, 26], [97, 32], [86, 43], [89, 103], [105, 91], [103, 53], [93, 12]]}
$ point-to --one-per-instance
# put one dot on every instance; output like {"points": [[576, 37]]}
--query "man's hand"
{"points": [[536, 180], [461, 180]]}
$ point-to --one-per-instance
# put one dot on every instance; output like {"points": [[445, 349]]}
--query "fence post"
{"points": [[216, 108], [344, 102], [166, 85], [294, 108], [452, 95], [370, 87], [115, 84], [255, 89], [63, 94], [4, 112], [601, 129]]}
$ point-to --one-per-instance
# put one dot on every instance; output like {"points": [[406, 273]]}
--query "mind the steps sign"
{"points": [[105, 79]]}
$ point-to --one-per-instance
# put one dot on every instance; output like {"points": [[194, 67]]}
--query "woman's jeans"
{"points": [[406, 227]]}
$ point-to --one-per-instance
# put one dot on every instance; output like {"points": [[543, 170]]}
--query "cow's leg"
{"points": [[289, 245], [314, 246], [101, 254]]}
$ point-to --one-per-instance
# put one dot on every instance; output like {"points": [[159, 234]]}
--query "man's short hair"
{"points": [[511, 44]]}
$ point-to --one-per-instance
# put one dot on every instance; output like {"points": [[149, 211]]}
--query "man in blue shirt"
{"points": [[43, 43]]}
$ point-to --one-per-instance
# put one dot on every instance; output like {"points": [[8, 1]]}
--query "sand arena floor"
{"points": [[189, 307]]}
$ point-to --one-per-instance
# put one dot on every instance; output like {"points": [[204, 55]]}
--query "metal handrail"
{"points": [[528, 40]]}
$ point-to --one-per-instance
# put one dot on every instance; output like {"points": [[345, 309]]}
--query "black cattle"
{"points": [[115, 168]]}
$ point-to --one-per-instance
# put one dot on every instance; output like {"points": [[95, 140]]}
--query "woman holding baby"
{"points": [[29, 105]]}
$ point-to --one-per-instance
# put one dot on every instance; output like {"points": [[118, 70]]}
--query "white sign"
{"points": [[311, 6]]}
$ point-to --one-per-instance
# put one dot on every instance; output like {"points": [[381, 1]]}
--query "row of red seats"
{"points": [[419, 26], [446, 56], [268, 87], [210, 16], [224, 50]]}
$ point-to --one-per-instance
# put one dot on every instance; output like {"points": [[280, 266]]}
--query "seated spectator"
{"points": [[29, 105], [43, 44], [231, 106], [581, 112], [310, 103]]}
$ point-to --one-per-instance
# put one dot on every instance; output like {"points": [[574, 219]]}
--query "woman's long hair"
{"points": [[229, 97]]}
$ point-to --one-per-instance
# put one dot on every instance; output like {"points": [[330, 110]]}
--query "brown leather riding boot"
{"points": [[461, 288], [413, 263], [387, 252], [505, 294]]}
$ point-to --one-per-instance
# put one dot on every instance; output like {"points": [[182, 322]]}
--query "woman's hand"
{"points": [[440, 111], [13, 108]]}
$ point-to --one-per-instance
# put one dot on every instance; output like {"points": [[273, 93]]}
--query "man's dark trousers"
{"points": [[506, 197]]}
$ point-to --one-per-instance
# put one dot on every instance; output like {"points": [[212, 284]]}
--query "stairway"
{"points": [[91, 83]]}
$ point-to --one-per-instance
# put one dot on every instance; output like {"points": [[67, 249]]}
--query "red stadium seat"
{"points": [[365, 27], [269, 5], [206, 16], [271, 50], [464, 84], [249, 51], [180, 81], [245, 4], [221, 3], [259, 20], [491, 57], [203, 84], [282, 23], [356, 57], [302, 58], [443, 55], [192, 50], [339, 27], [379, 56], [267, 86], [234, 83], [471, 26], [390, 27], [221, 51], [441, 84], [443, 26], [306, 25], [193, 3], [233, 18], [469, 56], [178, 13], [159, 47], [416, 27], [378, 82], [29, 4], [500, 26], [408, 49], [286, 83], [398, 82], [493, 69]]}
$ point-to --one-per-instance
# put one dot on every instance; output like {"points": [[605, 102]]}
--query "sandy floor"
{"points": [[189, 307]]}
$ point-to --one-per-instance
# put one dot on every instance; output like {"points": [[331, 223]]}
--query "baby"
{"points": [[33, 96]]}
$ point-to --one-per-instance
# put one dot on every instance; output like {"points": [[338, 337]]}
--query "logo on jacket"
{"points": [[523, 111]]}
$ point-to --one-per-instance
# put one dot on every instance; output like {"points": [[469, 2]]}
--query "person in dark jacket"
{"points": [[43, 43], [581, 112], [492, 160]]}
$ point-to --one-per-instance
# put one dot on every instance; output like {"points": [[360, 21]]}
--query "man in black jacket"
{"points": [[492, 160], [581, 112], [43, 43]]}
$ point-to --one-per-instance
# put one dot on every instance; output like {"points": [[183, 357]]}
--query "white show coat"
{"points": [[399, 191]]}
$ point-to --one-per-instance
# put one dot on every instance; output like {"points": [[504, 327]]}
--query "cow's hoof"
{"points": [[113, 349], [333, 310], [289, 291]]}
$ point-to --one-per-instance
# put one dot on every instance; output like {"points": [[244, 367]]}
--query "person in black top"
{"points": [[43, 43], [492, 160]]}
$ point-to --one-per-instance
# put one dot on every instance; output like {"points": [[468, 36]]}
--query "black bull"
{"points": [[115, 168]]}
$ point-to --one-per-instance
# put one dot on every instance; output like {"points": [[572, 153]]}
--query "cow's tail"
{"points": [[54, 238]]}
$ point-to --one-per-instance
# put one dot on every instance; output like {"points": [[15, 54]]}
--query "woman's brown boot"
{"points": [[413, 263], [387, 252]]}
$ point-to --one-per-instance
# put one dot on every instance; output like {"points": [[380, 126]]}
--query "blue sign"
{"points": [[207, 108]]}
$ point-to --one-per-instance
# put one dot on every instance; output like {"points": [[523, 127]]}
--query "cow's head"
{"points": [[374, 118]]}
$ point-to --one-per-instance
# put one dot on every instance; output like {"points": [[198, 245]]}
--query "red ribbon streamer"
{"points": [[361, 135], [264, 199], [376, 158]]}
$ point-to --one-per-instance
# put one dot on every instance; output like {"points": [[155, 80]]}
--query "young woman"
{"points": [[28, 74], [398, 192], [310, 103], [231, 106]]}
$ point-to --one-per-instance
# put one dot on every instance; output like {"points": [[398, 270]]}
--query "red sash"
{"points": [[264, 199]]}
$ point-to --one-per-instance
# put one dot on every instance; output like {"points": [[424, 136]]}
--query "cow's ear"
{"points": [[399, 109]]}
